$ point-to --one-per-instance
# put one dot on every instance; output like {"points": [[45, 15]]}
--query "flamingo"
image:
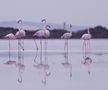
{"points": [[10, 36], [66, 64], [66, 36], [19, 35], [44, 33], [86, 44]]}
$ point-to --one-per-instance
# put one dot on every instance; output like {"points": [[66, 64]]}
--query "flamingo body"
{"points": [[86, 36], [21, 33], [10, 36], [42, 33], [66, 35]]}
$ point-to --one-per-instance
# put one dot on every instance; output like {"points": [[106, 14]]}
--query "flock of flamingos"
{"points": [[44, 33]]}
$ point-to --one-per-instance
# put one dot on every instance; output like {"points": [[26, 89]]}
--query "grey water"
{"points": [[33, 78]]}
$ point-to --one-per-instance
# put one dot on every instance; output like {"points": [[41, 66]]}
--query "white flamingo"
{"points": [[66, 64], [66, 36], [10, 36], [44, 33], [19, 35], [86, 44]]}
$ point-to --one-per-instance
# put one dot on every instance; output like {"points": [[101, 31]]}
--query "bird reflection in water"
{"points": [[66, 63], [87, 61], [21, 67], [43, 65]]}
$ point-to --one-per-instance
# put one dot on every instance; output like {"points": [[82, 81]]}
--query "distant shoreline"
{"points": [[97, 32]]}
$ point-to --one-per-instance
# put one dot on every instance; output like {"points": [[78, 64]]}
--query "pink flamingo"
{"points": [[19, 35], [66, 64], [86, 44], [66, 36], [10, 36], [44, 33]]}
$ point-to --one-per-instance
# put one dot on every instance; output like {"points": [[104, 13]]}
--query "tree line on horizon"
{"points": [[96, 32]]}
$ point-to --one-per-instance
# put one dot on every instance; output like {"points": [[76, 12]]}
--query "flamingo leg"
{"points": [[46, 58], [21, 45], [84, 49], [65, 49], [23, 51], [89, 69], [41, 51], [45, 49], [9, 50], [19, 52], [70, 71], [87, 47], [36, 44]]}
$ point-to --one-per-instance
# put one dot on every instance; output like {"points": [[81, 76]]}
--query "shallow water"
{"points": [[32, 77]]}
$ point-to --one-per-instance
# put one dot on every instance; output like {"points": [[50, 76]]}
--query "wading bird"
{"points": [[20, 34], [86, 43], [10, 36], [66, 36], [44, 33], [66, 64]]}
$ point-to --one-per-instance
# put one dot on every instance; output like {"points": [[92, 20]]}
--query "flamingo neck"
{"points": [[88, 31], [45, 26]]}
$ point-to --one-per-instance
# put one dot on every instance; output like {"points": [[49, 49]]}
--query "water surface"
{"points": [[31, 77]]}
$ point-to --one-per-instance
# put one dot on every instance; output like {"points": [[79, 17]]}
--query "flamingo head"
{"points": [[19, 21], [70, 25], [43, 20], [47, 27]]}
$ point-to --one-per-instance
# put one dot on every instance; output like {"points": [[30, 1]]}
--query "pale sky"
{"points": [[76, 12]]}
